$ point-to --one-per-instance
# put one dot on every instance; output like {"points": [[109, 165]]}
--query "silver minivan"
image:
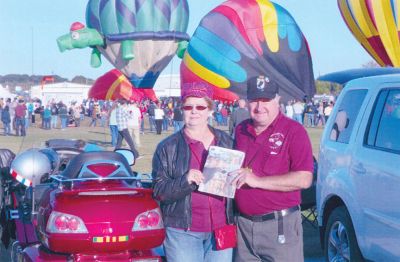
{"points": [[358, 186]]}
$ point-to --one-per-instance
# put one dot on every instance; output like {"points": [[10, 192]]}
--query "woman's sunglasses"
{"points": [[189, 108]]}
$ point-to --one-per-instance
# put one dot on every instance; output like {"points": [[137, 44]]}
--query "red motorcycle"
{"points": [[95, 209]]}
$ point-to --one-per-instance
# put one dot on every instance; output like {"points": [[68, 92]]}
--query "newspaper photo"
{"points": [[220, 161]]}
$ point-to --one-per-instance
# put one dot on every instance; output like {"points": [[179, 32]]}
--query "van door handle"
{"points": [[359, 168]]}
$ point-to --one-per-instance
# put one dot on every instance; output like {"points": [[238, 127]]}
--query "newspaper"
{"points": [[220, 161]]}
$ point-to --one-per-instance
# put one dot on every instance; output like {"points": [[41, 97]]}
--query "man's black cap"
{"points": [[261, 87]]}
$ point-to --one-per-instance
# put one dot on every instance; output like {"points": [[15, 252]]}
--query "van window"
{"points": [[346, 115], [385, 123]]}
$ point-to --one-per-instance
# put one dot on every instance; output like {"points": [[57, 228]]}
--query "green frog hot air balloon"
{"points": [[139, 37]]}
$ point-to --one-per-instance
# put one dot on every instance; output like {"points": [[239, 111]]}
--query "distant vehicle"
{"points": [[358, 195]]}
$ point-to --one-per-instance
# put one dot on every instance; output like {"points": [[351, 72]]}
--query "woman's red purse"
{"points": [[225, 237]]}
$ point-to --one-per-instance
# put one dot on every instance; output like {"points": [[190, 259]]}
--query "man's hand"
{"points": [[195, 176], [244, 176]]}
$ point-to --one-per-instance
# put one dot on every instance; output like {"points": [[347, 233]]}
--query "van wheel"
{"points": [[340, 240]]}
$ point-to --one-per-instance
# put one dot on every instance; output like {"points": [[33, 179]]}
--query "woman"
{"points": [[47, 117], [191, 216], [158, 117], [112, 122], [95, 115]]}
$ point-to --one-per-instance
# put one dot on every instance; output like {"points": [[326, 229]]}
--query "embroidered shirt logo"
{"points": [[275, 141]]}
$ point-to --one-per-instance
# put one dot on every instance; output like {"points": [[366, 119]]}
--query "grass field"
{"points": [[101, 136]]}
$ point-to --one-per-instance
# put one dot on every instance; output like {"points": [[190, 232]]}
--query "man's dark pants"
{"points": [[124, 134], [20, 126]]}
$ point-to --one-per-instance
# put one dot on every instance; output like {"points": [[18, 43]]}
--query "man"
{"points": [[28, 120], [150, 112], [310, 114], [134, 122], [328, 110], [63, 112], [279, 164], [122, 117], [54, 115], [20, 112], [298, 109], [177, 118], [12, 106], [76, 113], [289, 110], [238, 115]]}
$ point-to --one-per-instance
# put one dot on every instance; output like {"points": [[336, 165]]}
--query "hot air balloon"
{"points": [[240, 39], [114, 85], [138, 37], [376, 25]]}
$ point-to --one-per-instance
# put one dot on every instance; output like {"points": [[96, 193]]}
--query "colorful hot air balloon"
{"points": [[224, 95], [114, 85], [376, 25], [138, 37], [242, 39]]}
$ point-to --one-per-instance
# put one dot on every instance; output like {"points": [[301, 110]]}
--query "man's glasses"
{"points": [[189, 108]]}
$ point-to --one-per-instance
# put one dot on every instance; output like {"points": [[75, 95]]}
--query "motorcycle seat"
{"points": [[74, 167]]}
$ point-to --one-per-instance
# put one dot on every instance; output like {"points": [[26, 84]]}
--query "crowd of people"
{"points": [[17, 115], [308, 113]]}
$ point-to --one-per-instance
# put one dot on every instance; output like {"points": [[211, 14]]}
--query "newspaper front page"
{"points": [[220, 161]]}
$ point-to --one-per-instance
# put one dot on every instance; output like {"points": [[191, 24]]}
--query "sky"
{"points": [[29, 30]]}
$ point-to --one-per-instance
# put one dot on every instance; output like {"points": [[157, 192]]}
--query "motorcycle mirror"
{"points": [[128, 154]]}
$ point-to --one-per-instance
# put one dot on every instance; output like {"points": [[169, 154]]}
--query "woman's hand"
{"points": [[244, 176], [195, 176]]}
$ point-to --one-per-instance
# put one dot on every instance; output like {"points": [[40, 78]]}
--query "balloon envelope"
{"points": [[220, 94], [151, 29], [224, 95], [239, 40], [376, 25], [114, 85]]}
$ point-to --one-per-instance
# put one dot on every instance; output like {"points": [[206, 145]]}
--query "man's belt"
{"points": [[272, 215]]}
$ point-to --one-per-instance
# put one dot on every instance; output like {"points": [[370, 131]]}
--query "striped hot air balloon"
{"points": [[376, 25], [114, 85]]}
